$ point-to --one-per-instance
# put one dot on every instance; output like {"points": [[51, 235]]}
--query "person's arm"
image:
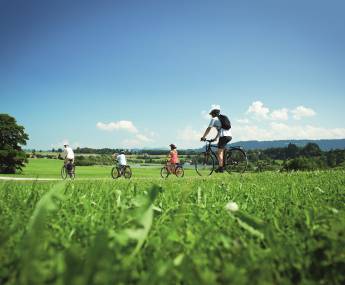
{"points": [[207, 131]]}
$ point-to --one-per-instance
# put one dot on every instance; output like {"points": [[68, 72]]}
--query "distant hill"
{"points": [[325, 145]]}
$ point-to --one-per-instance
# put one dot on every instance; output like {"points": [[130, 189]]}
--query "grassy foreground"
{"points": [[290, 229]]}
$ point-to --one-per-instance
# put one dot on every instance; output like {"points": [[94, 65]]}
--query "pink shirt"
{"points": [[174, 157]]}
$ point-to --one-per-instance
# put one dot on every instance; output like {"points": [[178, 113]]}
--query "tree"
{"points": [[12, 157], [292, 151], [311, 149]]}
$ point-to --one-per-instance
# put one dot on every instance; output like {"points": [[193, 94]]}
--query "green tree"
{"points": [[311, 149], [12, 157], [292, 151], [331, 159]]}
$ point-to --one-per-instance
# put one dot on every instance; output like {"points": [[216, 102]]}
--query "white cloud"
{"points": [[131, 143], [280, 114], [301, 111], [138, 141], [143, 138], [188, 134], [250, 132], [258, 109], [242, 121], [281, 131], [115, 126]]}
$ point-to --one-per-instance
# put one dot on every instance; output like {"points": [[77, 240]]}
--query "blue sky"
{"points": [[143, 73]]}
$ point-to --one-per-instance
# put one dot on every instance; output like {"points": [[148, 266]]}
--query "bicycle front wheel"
{"points": [[115, 173], [63, 172], [204, 163], [236, 161]]}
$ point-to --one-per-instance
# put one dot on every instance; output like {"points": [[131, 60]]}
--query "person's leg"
{"points": [[123, 167], [220, 152], [169, 166], [220, 156]]}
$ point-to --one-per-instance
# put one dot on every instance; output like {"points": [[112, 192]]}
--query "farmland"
{"points": [[289, 229], [50, 168]]}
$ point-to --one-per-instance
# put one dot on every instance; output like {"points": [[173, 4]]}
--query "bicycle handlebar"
{"points": [[209, 141]]}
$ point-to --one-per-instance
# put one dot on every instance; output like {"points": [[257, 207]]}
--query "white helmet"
{"points": [[214, 108]]}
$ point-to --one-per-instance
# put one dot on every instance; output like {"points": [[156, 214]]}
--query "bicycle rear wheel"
{"points": [[164, 172], [179, 172], [127, 172], [204, 163], [115, 173], [63, 172], [236, 161]]}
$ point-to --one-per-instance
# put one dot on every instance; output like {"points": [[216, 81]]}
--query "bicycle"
{"points": [[178, 170], [68, 169], [118, 171], [206, 162]]}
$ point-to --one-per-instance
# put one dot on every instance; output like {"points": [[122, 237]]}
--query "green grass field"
{"points": [[50, 168], [289, 229]]}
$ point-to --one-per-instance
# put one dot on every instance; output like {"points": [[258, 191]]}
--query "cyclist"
{"points": [[224, 134], [121, 159], [68, 156], [172, 158]]}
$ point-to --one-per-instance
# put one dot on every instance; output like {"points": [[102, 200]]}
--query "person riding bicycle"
{"points": [[172, 158], [68, 154], [121, 160], [224, 134]]}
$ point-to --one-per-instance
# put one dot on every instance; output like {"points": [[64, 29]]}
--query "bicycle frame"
{"points": [[209, 149], [234, 159], [174, 166]]}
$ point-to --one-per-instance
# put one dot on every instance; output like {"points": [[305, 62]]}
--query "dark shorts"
{"points": [[223, 141]]}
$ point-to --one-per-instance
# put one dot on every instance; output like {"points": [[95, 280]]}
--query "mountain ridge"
{"points": [[324, 144]]}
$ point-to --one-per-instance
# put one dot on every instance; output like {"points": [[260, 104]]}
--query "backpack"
{"points": [[226, 125]]}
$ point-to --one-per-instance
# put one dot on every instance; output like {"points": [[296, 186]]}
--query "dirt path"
{"points": [[28, 178]]}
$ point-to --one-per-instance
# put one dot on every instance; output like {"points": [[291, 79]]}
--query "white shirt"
{"points": [[121, 159], [68, 153], [216, 123]]}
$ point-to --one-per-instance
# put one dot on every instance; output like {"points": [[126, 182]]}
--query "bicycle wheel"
{"points": [[236, 160], [165, 172], [127, 172], [179, 172], [204, 163], [115, 173], [64, 172]]}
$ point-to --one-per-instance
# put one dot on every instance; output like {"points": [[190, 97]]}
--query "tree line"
{"points": [[292, 157]]}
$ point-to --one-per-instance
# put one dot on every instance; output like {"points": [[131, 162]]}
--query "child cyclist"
{"points": [[172, 158]]}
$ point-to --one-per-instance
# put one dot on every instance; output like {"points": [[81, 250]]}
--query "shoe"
{"points": [[219, 170]]}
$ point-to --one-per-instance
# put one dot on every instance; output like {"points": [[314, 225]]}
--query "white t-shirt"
{"points": [[68, 153], [216, 123], [121, 159]]}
